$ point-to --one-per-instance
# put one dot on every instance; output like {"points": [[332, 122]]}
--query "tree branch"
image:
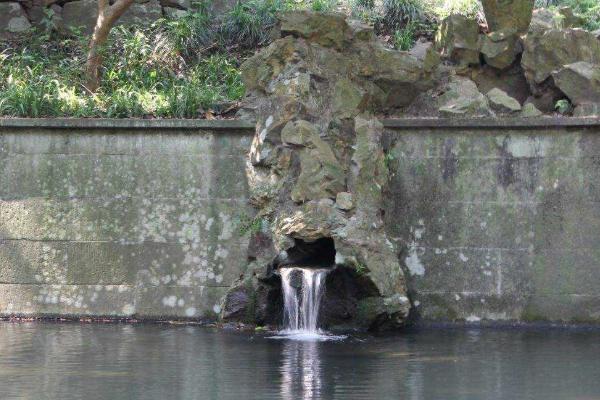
{"points": [[107, 16]]}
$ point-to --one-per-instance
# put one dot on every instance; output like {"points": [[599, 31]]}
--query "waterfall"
{"points": [[303, 290]]}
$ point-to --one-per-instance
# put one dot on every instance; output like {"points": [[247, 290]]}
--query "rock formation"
{"points": [[458, 40], [538, 62], [501, 48], [501, 102], [580, 81], [549, 51], [461, 98], [13, 19], [316, 167], [508, 14]]}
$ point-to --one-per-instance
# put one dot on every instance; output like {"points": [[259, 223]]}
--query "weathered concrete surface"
{"points": [[122, 222], [498, 223], [499, 218]]}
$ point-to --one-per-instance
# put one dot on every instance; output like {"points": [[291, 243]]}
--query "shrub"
{"points": [[323, 5], [248, 25], [364, 10], [399, 13], [188, 36], [404, 38]]}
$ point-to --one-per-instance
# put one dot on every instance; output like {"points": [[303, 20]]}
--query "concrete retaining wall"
{"points": [[500, 219], [120, 221], [500, 222]]}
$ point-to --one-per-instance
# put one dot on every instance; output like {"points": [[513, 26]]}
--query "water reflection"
{"points": [[301, 370], [153, 362]]}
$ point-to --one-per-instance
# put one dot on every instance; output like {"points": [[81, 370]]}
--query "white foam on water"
{"points": [[301, 305], [305, 336]]}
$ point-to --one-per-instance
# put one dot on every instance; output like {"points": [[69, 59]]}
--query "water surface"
{"points": [[156, 362]]}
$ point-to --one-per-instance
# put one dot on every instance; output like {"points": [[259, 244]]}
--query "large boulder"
{"points": [[549, 51], [82, 14], [587, 110], [174, 13], [510, 80], [177, 4], [13, 19], [326, 29], [457, 40], [508, 14], [397, 75], [579, 81], [461, 98], [501, 48], [529, 110], [544, 19], [501, 102], [35, 10], [425, 52], [420, 48], [568, 19], [141, 13], [321, 175]]}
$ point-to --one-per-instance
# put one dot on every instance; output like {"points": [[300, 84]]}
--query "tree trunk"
{"points": [[107, 16]]}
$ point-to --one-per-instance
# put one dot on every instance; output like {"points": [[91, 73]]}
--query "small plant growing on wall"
{"points": [[563, 107], [248, 225], [360, 268]]}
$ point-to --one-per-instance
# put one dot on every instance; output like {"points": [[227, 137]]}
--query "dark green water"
{"points": [[72, 361]]}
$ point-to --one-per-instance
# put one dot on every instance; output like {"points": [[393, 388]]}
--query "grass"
{"points": [[172, 68], [404, 38], [148, 71]]}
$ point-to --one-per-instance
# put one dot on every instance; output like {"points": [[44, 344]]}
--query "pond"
{"points": [[148, 361]]}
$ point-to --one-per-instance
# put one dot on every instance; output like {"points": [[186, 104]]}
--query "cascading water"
{"points": [[303, 290]]}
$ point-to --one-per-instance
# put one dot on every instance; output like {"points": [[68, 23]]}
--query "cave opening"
{"points": [[345, 288], [317, 254]]}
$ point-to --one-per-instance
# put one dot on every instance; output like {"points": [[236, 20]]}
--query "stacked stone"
{"points": [[526, 63], [317, 167]]}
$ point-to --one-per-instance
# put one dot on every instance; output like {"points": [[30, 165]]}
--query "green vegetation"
{"points": [[389, 160], [188, 68], [173, 68], [148, 71], [398, 14], [406, 20], [589, 10], [323, 5], [470, 8], [563, 107], [360, 268], [404, 38], [247, 225]]}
